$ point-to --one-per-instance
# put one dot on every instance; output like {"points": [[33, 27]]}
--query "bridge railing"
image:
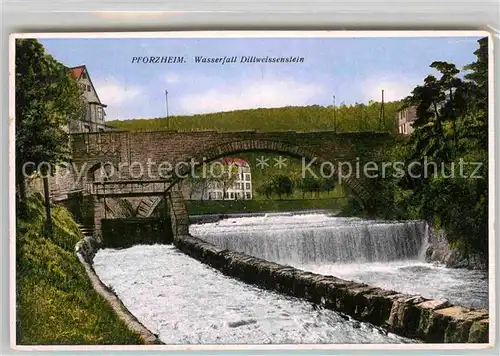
{"points": [[117, 188]]}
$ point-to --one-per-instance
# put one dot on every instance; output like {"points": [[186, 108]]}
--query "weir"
{"points": [[315, 238], [289, 254]]}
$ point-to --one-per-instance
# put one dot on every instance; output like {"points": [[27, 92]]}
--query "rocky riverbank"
{"points": [[439, 251]]}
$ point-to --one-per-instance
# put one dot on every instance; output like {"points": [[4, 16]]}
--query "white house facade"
{"points": [[405, 118], [235, 184]]}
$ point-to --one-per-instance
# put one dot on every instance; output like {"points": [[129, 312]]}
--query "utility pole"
{"points": [[382, 113], [334, 115], [166, 105]]}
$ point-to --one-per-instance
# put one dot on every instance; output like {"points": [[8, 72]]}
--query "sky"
{"points": [[352, 69]]}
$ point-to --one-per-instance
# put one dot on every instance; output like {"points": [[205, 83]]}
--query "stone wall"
{"points": [[407, 315], [63, 182]]}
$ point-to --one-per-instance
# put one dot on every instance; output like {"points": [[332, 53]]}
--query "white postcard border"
{"points": [[243, 35]]}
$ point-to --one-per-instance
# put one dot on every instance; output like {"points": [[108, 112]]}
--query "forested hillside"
{"points": [[358, 117]]}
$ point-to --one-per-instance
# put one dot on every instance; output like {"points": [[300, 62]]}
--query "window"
{"points": [[99, 113], [88, 87], [86, 128], [248, 195], [101, 130], [247, 176], [232, 195], [219, 195], [247, 186]]}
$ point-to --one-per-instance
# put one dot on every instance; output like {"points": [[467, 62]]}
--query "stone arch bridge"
{"points": [[150, 163]]}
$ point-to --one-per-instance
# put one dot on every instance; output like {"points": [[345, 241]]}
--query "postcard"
{"points": [[252, 190]]}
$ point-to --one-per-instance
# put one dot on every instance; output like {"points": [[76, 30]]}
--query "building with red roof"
{"points": [[234, 161], [95, 114]]}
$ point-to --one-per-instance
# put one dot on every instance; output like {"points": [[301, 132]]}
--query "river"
{"points": [[389, 255], [187, 302]]}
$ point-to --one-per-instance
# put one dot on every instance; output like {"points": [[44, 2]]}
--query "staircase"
{"points": [[87, 230], [179, 213]]}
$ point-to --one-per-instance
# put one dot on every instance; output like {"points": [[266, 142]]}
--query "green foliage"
{"points": [[310, 185], [266, 190], [451, 128], [81, 207], [46, 99], [358, 117], [281, 185], [263, 178], [56, 303]]}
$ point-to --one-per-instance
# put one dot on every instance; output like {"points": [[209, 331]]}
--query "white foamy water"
{"points": [[187, 302], [389, 255]]}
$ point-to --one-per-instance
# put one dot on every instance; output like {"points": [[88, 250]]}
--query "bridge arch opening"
{"points": [[101, 171], [354, 186]]}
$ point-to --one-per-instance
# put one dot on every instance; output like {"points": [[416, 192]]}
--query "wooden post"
{"points": [[104, 202], [167, 222], [46, 192]]}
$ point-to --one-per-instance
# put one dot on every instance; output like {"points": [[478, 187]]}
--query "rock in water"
{"points": [[239, 323]]}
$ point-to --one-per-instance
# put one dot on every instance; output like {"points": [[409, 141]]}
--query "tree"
{"points": [[310, 185], [282, 185], [451, 126], [226, 176], [450, 85], [197, 185], [328, 185], [46, 99], [477, 78], [265, 189]]}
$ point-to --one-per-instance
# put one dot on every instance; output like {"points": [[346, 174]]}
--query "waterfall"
{"points": [[317, 238]]}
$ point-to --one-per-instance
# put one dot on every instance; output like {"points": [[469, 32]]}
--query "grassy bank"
{"points": [[196, 207], [56, 303]]}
